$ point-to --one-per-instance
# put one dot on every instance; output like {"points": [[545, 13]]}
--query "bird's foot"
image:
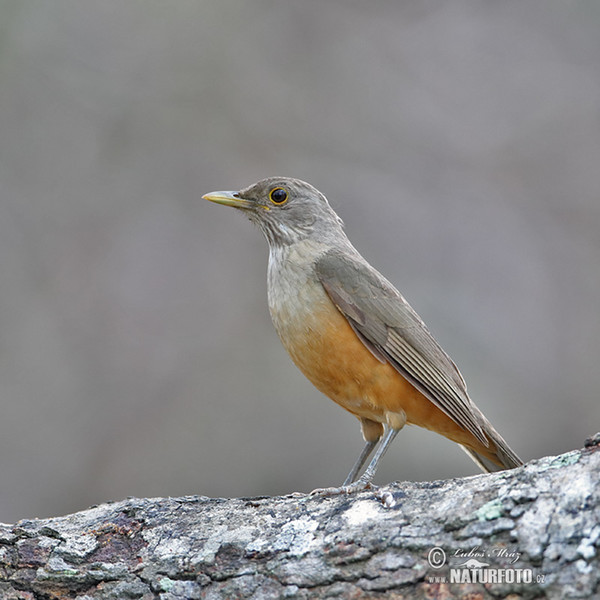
{"points": [[357, 486]]}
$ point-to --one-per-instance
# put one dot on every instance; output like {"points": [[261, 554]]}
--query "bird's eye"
{"points": [[278, 195]]}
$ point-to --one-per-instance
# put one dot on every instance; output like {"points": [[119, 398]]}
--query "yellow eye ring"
{"points": [[278, 195]]}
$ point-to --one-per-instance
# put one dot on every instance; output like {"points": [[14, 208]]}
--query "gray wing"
{"points": [[393, 332]]}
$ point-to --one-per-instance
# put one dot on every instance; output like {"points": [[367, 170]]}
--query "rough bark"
{"points": [[537, 528]]}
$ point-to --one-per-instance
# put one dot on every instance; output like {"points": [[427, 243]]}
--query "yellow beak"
{"points": [[228, 199]]}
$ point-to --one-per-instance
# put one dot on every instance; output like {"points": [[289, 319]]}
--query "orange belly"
{"points": [[333, 358]]}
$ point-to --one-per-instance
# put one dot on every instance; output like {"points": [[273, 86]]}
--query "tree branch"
{"points": [[536, 529]]}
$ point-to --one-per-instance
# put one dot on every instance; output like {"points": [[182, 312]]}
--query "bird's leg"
{"points": [[366, 452], [371, 432], [365, 479], [396, 422]]}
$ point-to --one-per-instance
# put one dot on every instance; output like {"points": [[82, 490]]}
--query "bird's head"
{"points": [[287, 210]]}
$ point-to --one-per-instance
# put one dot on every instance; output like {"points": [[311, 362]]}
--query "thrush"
{"points": [[352, 333]]}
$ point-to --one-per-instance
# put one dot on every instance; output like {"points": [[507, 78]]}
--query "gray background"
{"points": [[460, 143]]}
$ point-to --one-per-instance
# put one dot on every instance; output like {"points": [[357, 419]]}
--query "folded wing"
{"points": [[393, 332]]}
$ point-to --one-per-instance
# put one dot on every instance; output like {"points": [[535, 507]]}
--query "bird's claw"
{"points": [[357, 486]]}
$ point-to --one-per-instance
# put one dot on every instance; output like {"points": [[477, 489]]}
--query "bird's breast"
{"points": [[322, 344]]}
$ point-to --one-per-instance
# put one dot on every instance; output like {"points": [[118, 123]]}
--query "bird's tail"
{"points": [[502, 458]]}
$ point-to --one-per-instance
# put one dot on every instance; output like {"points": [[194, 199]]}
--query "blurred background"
{"points": [[460, 142]]}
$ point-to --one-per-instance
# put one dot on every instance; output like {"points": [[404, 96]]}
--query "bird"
{"points": [[354, 336]]}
